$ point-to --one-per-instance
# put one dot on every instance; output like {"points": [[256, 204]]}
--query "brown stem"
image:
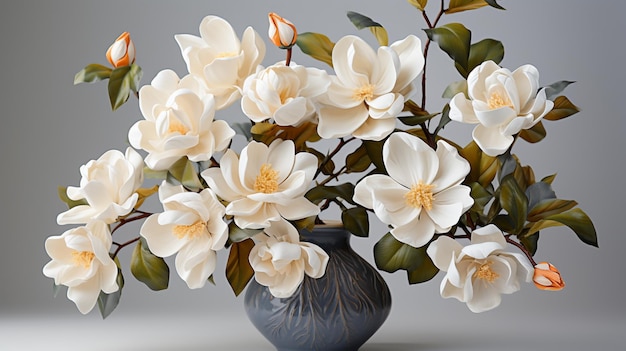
{"points": [[126, 220], [288, 59], [522, 248], [426, 46], [332, 154], [123, 245]]}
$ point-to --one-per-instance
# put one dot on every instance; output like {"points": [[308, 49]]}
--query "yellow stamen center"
{"points": [[420, 195], [267, 180], [496, 101], [177, 127], [226, 54], [83, 258], [190, 231], [486, 273], [363, 93]]}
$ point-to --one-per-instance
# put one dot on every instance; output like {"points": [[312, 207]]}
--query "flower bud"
{"points": [[122, 52], [547, 277], [282, 32]]}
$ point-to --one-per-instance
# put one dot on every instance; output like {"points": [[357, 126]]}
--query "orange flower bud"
{"points": [[547, 277], [282, 32], [122, 52]]}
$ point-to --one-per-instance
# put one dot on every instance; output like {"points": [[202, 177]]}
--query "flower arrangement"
{"points": [[369, 105]]}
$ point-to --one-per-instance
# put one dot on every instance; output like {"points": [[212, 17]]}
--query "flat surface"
{"points": [[190, 333]]}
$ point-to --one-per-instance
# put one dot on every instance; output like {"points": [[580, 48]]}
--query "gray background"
{"points": [[50, 127]]}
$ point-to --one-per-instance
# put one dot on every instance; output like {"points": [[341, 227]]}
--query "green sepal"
{"points": [[356, 221], [122, 81], [316, 45], [360, 21], [92, 73], [62, 192], [454, 39], [238, 268], [149, 268], [108, 302]]}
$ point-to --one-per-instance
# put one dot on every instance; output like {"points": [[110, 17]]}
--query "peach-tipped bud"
{"points": [[282, 32], [547, 277], [122, 52]]}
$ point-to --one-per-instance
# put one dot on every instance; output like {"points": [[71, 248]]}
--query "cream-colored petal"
{"points": [[491, 141], [386, 197], [443, 251], [461, 110], [416, 233], [409, 160], [336, 123]]}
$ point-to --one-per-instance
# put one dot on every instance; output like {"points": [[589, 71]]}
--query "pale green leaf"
{"points": [[317, 46], [419, 4], [92, 73], [464, 5]]}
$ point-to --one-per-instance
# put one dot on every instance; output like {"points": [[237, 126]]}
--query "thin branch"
{"points": [[522, 248]]}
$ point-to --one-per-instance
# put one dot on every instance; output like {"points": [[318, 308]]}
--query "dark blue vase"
{"points": [[339, 311]]}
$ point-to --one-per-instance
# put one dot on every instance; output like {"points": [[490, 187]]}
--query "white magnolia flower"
{"points": [[220, 59], [190, 226], [285, 94], [108, 185], [422, 195], [81, 261], [478, 273], [280, 260], [370, 87], [178, 122], [282, 32], [264, 184], [501, 103]]}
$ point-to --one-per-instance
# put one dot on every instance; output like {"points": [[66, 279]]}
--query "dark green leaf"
{"points": [[355, 220], [391, 255], [538, 192], [556, 88], [481, 197], [119, 87], [343, 192], [530, 243], [508, 165], [580, 223], [444, 120], [514, 201], [62, 191], [416, 120], [360, 21], [108, 302], [149, 268], [562, 108], [424, 271], [358, 160], [454, 40], [494, 4], [375, 152], [484, 50], [534, 134], [92, 73], [317, 46], [238, 268], [236, 234]]}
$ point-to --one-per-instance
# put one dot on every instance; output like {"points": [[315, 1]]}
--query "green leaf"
{"points": [[238, 268], [108, 302], [236, 234], [145, 193], [483, 168], [549, 207], [134, 77], [534, 134], [149, 268], [417, 120], [185, 172], [356, 221], [444, 120], [358, 160], [484, 50], [360, 21], [464, 5], [538, 192], [343, 192], [580, 223], [548, 179], [92, 73], [317, 46], [375, 153], [454, 40], [530, 243], [494, 4], [391, 255], [419, 4], [454, 88], [514, 201], [481, 196], [556, 88], [119, 87], [562, 108], [62, 192], [425, 270]]}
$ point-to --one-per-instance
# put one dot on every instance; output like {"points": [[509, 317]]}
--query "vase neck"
{"points": [[327, 237]]}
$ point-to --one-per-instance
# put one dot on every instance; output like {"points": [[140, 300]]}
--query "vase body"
{"points": [[339, 311]]}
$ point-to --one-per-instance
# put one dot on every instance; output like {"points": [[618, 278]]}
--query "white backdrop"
{"points": [[50, 127]]}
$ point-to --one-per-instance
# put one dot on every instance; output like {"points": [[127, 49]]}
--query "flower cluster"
{"points": [[431, 192]]}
